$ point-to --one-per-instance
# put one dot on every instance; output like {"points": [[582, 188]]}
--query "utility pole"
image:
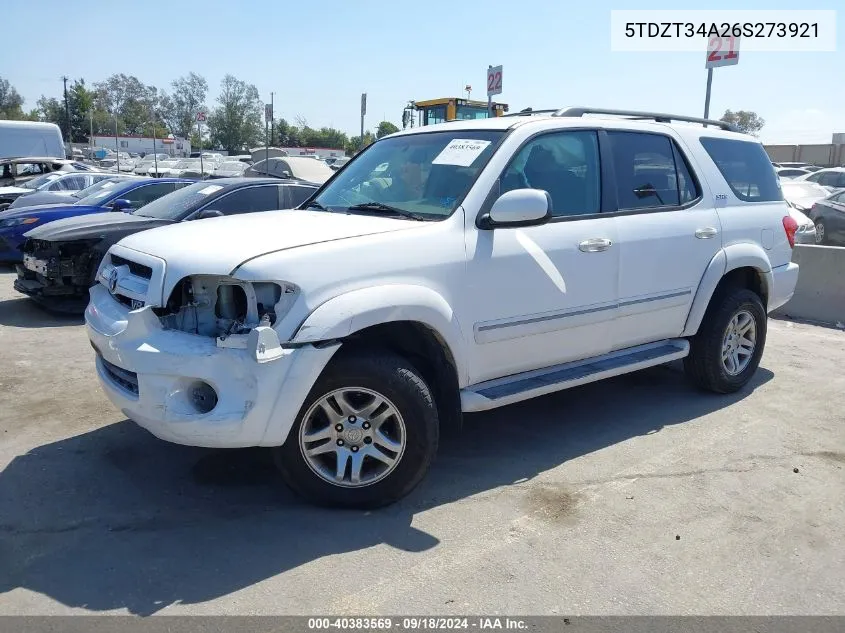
{"points": [[272, 115], [67, 114], [707, 93]]}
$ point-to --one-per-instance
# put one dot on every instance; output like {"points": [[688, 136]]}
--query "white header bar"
{"points": [[694, 31]]}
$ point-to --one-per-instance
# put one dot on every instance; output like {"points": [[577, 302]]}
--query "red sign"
{"points": [[722, 51], [200, 116]]}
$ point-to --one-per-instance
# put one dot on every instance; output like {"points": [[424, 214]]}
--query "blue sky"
{"points": [[319, 56]]}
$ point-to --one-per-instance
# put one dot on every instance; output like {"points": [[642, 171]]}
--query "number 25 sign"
{"points": [[722, 51], [494, 81]]}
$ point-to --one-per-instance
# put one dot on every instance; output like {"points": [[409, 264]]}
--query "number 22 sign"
{"points": [[722, 51], [494, 81]]}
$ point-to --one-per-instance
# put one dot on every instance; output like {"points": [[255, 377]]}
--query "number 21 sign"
{"points": [[722, 51]]}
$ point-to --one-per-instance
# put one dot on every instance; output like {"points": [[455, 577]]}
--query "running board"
{"points": [[530, 384]]}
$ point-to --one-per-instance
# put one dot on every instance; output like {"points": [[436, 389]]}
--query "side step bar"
{"points": [[530, 384]]}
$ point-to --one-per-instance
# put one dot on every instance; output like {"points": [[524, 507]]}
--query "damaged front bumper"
{"points": [[192, 389], [57, 275]]}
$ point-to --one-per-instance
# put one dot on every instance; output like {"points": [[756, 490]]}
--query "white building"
{"points": [[143, 145]]}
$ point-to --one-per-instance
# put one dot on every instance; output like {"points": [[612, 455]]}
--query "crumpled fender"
{"points": [[729, 258], [353, 311]]}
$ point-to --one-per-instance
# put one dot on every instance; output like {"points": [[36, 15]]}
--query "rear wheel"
{"points": [[821, 232], [365, 436], [726, 351]]}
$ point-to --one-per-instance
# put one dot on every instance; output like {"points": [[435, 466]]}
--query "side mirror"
{"points": [[209, 213], [121, 204], [287, 174], [520, 207]]}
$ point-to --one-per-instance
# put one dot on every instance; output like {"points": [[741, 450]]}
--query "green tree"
{"points": [[80, 103], [385, 128], [179, 109], [355, 145], [324, 137], [127, 97], [236, 123], [11, 103], [744, 120]]}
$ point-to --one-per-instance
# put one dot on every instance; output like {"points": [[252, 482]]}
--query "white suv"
{"points": [[446, 269]]}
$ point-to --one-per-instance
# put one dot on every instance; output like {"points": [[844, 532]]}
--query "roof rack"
{"points": [[656, 116], [531, 111]]}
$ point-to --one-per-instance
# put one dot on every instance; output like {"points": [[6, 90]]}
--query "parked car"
{"points": [[60, 197], [296, 167], [106, 196], [338, 163], [793, 165], [14, 172], [142, 167], [192, 168], [792, 172], [229, 169], [60, 258], [491, 262], [832, 177], [801, 196], [828, 215], [165, 168], [57, 183]]}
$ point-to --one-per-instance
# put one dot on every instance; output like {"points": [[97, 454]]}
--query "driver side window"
{"points": [[563, 164]]}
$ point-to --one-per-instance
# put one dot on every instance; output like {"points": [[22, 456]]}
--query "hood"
{"points": [[18, 191], [44, 211], [92, 226], [219, 245], [44, 198]]}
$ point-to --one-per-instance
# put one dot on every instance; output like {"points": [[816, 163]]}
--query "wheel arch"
{"points": [[737, 265]]}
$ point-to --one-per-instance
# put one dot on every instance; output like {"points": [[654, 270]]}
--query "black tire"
{"points": [[821, 233], [704, 365], [393, 377]]}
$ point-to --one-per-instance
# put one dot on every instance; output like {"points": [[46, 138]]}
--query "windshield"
{"points": [[188, 164], [38, 181], [426, 174], [95, 194], [174, 205]]}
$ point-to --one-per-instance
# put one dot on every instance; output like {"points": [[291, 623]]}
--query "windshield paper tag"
{"points": [[461, 152], [210, 189]]}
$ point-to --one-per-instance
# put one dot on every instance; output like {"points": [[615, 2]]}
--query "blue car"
{"points": [[109, 195]]}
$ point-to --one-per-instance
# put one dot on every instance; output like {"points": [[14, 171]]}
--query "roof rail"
{"points": [[656, 116], [531, 111]]}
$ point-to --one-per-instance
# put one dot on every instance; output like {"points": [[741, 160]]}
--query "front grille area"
{"points": [[139, 270], [124, 378]]}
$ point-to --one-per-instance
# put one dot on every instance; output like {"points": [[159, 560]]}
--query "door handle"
{"points": [[595, 245], [706, 233]]}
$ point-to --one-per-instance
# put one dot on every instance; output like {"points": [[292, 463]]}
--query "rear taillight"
{"points": [[790, 226]]}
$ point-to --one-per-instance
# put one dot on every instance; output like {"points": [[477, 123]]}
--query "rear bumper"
{"points": [[784, 279]]}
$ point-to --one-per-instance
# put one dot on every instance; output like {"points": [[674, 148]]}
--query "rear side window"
{"points": [[746, 168], [650, 171]]}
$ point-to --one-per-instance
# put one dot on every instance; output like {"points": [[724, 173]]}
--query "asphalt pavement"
{"points": [[637, 495]]}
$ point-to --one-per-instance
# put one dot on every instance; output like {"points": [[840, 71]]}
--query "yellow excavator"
{"points": [[434, 111]]}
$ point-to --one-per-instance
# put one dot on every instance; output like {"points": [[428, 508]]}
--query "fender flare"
{"points": [[356, 310], [744, 255]]}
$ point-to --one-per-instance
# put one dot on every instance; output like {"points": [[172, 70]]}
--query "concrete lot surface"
{"points": [[638, 495]]}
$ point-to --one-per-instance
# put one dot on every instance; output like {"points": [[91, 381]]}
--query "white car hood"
{"points": [[20, 190], [217, 246]]}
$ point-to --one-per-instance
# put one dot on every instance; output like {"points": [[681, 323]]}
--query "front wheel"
{"points": [[365, 435], [726, 351]]}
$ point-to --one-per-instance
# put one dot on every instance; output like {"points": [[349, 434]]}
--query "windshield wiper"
{"points": [[380, 206]]}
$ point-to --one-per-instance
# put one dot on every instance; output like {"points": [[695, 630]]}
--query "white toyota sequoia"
{"points": [[446, 269]]}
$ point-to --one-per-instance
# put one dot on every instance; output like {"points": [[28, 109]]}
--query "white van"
{"points": [[19, 139]]}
